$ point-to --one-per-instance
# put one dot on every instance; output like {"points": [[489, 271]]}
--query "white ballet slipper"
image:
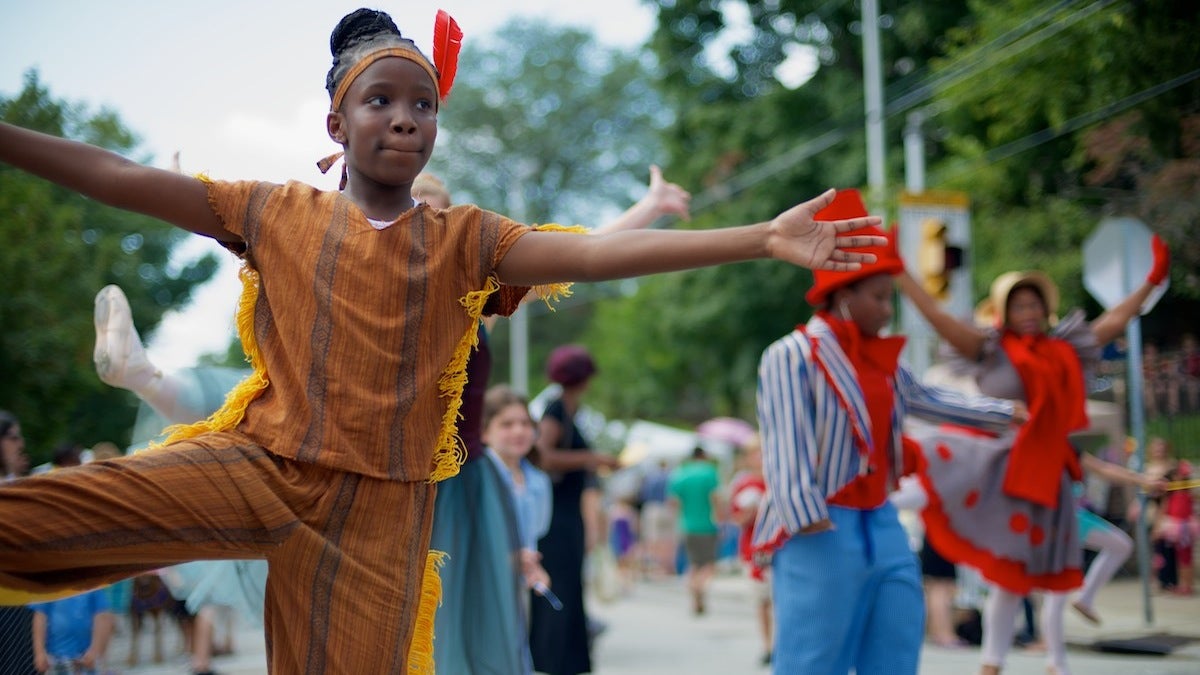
{"points": [[119, 355]]}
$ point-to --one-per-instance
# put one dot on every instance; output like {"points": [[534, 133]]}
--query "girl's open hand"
{"points": [[799, 239]]}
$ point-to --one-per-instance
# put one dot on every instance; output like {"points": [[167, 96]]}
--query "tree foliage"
{"points": [[1086, 110], [546, 125], [750, 146], [62, 250], [1049, 116]]}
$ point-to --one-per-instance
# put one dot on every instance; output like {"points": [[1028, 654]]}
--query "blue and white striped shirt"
{"points": [[809, 448]]}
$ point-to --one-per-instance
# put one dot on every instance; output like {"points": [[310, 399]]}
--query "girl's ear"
{"points": [[334, 125]]}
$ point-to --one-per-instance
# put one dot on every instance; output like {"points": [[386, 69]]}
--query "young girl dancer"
{"points": [[360, 310]]}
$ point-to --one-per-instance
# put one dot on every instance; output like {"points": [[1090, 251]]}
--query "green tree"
{"points": [[62, 249], [546, 125], [752, 144], [1085, 110]]}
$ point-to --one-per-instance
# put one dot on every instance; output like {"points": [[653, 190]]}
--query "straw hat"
{"points": [[849, 204], [990, 311]]}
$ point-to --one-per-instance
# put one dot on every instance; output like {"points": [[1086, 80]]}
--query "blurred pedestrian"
{"points": [[747, 490], [693, 485], [14, 463], [70, 635], [657, 526], [559, 638], [16, 643], [831, 399]]}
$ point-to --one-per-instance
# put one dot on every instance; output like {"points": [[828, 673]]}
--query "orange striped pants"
{"points": [[346, 552]]}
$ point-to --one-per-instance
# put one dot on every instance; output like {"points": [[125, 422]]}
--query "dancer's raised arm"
{"points": [[112, 179]]}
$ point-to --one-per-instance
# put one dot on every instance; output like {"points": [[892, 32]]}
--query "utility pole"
{"points": [[518, 325], [873, 94]]}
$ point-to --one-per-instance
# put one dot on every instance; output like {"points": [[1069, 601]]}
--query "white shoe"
{"points": [[119, 356]]}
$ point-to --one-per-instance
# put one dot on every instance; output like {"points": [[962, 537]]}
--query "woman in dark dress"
{"points": [[559, 639]]}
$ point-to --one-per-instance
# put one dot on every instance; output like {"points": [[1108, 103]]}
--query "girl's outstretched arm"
{"points": [[662, 198], [966, 338], [111, 179], [1112, 323], [793, 236]]}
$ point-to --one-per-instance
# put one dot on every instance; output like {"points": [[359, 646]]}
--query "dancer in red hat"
{"points": [[831, 399]]}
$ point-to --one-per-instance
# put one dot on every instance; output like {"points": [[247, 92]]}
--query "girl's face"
{"points": [[1026, 314], [387, 122], [868, 303], [1157, 450], [510, 432]]}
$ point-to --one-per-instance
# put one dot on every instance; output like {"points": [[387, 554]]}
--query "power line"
{"points": [[919, 93], [1075, 123]]}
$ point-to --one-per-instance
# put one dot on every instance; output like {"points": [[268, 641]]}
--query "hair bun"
{"points": [[359, 26]]}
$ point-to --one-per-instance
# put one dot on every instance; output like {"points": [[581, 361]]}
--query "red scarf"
{"points": [[1053, 379], [875, 361]]}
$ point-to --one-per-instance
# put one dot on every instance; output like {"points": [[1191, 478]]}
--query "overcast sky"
{"points": [[237, 88]]}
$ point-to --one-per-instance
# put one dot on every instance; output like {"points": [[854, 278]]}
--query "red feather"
{"points": [[447, 41]]}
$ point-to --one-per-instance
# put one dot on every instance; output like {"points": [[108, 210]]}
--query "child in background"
{"points": [[1160, 465], [623, 539], [508, 433], [359, 366], [1179, 526], [747, 491], [71, 635]]}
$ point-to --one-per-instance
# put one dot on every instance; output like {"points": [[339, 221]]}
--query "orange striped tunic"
{"points": [[357, 325]]}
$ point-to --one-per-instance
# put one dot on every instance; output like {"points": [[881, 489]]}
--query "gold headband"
{"points": [[358, 68]]}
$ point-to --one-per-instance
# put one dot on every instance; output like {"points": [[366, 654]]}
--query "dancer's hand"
{"points": [[667, 198], [1020, 412], [795, 236], [1161, 268], [824, 525]]}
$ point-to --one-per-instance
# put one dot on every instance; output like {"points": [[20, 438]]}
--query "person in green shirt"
{"points": [[693, 484]]}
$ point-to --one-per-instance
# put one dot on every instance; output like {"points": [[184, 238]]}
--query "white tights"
{"points": [[1000, 611], [1113, 547], [999, 625]]}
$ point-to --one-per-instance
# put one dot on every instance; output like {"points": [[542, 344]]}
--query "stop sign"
{"points": [[1116, 259]]}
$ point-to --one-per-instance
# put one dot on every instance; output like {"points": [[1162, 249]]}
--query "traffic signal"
{"points": [[937, 258]]}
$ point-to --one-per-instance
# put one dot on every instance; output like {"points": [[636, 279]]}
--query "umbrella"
{"points": [[728, 429]]}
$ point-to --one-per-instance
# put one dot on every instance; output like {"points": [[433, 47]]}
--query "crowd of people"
{"points": [[493, 515]]}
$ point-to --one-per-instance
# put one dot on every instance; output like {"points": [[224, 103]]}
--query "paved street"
{"points": [[651, 632]]}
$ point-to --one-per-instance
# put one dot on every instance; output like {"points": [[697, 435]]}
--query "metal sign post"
{"points": [[1116, 257]]}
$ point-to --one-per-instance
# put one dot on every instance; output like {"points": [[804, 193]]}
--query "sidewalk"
{"points": [[651, 631]]}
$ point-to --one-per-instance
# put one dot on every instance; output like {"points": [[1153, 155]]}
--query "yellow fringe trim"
{"points": [[420, 650], [11, 597], [234, 408], [450, 452], [554, 292]]}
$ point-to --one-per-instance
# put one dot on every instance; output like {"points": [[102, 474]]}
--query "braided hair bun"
{"points": [[354, 35]]}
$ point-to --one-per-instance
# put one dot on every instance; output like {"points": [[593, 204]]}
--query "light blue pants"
{"points": [[848, 599]]}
